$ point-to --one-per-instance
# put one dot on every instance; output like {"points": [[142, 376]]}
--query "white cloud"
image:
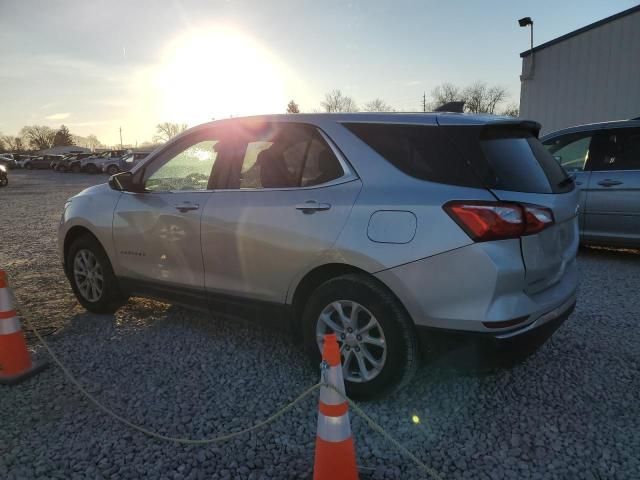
{"points": [[58, 116]]}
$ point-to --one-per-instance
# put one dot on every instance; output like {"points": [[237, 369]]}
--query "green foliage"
{"points": [[292, 107], [62, 137]]}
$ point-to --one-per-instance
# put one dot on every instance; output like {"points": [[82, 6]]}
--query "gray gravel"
{"points": [[571, 411]]}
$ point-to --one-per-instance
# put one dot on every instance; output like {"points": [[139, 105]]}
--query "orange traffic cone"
{"points": [[335, 457], [15, 362]]}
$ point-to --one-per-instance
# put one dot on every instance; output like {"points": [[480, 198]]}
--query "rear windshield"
{"points": [[496, 157]]}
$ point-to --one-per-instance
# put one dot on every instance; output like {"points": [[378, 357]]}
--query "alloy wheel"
{"points": [[363, 347], [88, 275]]}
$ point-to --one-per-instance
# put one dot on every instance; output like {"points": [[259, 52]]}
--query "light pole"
{"points": [[527, 22]]}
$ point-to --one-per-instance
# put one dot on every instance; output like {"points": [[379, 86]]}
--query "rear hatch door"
{"points": [[515, 167]]}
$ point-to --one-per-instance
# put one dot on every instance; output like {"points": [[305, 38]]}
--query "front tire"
{"points": [[112, 170], [76, 168], [91, 275], [91, 168], [379, 349], [4, 181]]}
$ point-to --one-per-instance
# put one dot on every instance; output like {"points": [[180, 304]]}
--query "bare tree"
{"points": [[335, 101], [511, 110], [11, 144], [378, 105], [445, 93], [479, 98], [90, 141], [167, 130], [292, 107], [39, 137]]}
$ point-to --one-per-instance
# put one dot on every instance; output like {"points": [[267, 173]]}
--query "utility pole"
{"points": [[424, 102], [120, 138]]}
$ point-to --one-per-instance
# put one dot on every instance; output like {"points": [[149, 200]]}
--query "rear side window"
{"points": [[522, 164], [421, 151]]}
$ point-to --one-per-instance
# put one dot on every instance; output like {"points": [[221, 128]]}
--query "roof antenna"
{"points": [[453, 107]]}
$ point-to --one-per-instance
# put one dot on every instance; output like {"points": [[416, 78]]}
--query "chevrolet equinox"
{"points": [[395, 231]]}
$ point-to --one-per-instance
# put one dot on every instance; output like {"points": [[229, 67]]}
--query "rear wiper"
{"points": [[567, 181]]}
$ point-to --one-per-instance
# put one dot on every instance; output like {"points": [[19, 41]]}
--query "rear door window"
{"points": [[617, 149], [422, 151], [284, 156]]}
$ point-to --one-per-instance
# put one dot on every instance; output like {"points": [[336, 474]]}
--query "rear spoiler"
{"points": [[502, 127], [452, 107]]}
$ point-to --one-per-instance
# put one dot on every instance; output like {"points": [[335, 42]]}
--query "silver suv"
{"points": [[398, 232], [604, 159]]}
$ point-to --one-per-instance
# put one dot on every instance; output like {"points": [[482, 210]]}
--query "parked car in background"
{"points": [[123, 164], [94, 163], [55, 160], [75, 164], [4, 178], [65, 164], [52, 158], [604, 158], [39, 162], [393, 231], [21, 159], [8, 160], [61, 165]]}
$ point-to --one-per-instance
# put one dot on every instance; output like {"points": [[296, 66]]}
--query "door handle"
{"points": [[311, 206], [609, 183], [186, 206]]}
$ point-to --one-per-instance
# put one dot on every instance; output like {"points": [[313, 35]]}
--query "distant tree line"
{"points": [[41, 137], [477, 97]]}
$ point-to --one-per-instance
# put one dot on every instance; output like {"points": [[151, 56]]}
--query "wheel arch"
{"points": [[320, 274], [73, 234]]}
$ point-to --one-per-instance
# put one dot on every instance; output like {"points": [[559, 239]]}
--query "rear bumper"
{"points": [[486, 349]]}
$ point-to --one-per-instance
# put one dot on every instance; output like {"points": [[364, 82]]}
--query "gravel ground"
{"points": [[571, 411]]}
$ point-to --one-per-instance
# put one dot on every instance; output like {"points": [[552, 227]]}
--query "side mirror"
{"points": [[123, 182]]}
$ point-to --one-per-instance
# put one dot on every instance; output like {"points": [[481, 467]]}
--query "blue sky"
{"points": [[98, 65]]}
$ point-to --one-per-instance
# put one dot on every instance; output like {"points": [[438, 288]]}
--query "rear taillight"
{"points": [[484, 221]]}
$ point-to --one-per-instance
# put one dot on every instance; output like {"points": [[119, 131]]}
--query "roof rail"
{"points": [[454, 107]]}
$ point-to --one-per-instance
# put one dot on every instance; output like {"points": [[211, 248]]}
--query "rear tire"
{"points": [[28, 166], [76, 168], [112, 170], [87, 255], [91, 168], [4, 181], [397, 359]]}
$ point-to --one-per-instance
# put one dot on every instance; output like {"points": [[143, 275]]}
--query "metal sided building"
{"points": [[589, 75]]}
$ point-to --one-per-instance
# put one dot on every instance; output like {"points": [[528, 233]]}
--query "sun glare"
{"points": [[218, 73]]}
